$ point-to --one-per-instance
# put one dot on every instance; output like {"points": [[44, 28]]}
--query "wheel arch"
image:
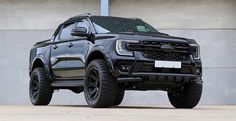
{"points": [[99, 53], [38, 62]]}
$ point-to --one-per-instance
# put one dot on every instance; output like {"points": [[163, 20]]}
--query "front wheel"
{"points": [[100, 86], [119, 96], [186, 97]]}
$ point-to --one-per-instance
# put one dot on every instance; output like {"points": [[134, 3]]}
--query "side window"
{"points": [[57, 33], [83, 23], [66, 32]]}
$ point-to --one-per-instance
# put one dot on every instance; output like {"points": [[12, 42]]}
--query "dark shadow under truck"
{"points": [[104, 56]]}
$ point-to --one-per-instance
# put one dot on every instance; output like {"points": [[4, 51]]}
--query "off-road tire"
{"points": [[187, 97], [119, 97], [44, 88], [106, 84]]}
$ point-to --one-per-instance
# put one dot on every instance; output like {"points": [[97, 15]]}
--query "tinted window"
{"points": [[66, 32], [116, 25], [83, 23]]}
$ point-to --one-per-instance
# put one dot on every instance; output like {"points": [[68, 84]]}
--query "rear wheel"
{"points": [[187, 97], [100, 86], [40, 88]]}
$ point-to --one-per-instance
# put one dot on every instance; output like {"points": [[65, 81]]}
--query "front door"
{"points": [[58, 51], [76, 52]]}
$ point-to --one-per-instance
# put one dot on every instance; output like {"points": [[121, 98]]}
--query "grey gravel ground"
{"points": [[121, 113]]}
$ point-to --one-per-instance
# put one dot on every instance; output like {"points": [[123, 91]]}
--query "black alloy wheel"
{"points": [[40, 89], [93, 85], [34, 88], [100, 87]]}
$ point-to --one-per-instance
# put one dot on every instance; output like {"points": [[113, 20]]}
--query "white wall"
{"points": [[171, 14], [210, 22], [42, 14]]}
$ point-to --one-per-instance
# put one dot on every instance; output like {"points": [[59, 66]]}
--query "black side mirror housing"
{"points": [[80, 31]]}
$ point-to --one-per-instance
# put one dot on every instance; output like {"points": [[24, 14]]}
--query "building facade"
{"points": [[211, 22]]}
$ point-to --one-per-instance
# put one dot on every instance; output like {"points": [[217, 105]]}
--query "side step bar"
{"points": [[68, 83]]}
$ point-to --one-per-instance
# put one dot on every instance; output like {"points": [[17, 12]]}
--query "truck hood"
{"points": [[142, 36]]}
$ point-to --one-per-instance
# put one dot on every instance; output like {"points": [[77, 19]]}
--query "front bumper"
{"points": [[139, 68]]}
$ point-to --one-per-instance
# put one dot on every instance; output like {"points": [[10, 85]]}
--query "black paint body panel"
{"points": [[67, 60]]}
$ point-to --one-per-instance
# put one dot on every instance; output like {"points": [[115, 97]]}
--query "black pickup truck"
{"points": [[104, 56]]}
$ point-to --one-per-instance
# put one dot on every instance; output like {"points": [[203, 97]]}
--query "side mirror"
{"points": [[79, 31]]}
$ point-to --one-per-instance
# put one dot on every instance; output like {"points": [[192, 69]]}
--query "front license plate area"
{"points": [[167, 64]]}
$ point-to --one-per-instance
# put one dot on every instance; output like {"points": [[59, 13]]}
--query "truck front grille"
{"points": [[172, 51]]}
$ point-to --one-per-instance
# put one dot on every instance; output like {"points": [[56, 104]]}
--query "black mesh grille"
{"points": [[153, 49], [165, 55]]}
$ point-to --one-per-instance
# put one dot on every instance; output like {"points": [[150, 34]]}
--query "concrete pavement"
{"points": [[121, 113]]}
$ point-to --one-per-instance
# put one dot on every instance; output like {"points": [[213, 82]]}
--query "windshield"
{"points": [[118, 25]]}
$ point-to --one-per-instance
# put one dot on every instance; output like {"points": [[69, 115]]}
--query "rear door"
{"points": [[58, 51], [76, 52]]}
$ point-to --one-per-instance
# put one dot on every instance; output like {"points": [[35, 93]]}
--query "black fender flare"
{"points": [[43, 60], [105, 54]]}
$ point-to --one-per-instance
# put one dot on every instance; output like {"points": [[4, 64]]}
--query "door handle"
{"points": [[55, 46], [70, 45]]}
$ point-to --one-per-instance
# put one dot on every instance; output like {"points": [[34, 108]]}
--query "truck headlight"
{"points": [[195, 49], [121, 47]]}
